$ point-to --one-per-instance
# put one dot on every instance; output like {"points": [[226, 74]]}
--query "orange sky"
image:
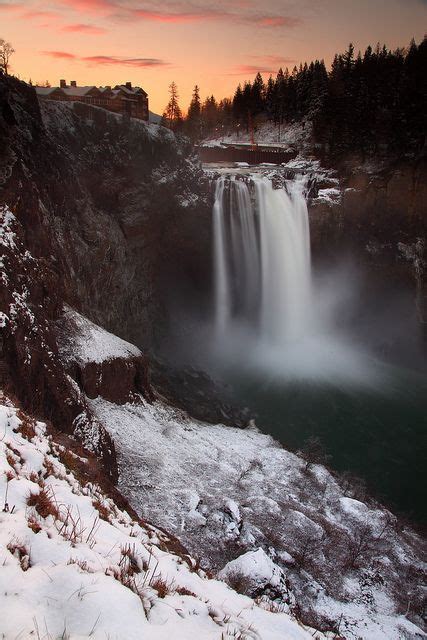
{"points": [[215, 44]]}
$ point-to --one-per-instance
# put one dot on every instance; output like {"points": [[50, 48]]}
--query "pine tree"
{"points": [[172, 115], [194, 115]]}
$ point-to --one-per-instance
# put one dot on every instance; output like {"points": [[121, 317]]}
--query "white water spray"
{"points": [[262, 258], [266, 312]]}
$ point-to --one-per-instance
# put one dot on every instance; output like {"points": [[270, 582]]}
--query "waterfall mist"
{"points": [[269, 312]]}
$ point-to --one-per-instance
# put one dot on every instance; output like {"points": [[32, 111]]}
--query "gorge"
{"points": [[113, 227]]}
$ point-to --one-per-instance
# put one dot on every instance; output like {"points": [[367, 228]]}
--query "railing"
{"points": [[243, 154]]}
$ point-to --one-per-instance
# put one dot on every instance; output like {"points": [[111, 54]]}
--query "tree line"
{"points": [[370, 102]]}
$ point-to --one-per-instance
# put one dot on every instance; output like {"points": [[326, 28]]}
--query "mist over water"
{"points": [[270, 314]]}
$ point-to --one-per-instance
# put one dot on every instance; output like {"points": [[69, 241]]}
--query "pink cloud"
{"points": [[180, 12], [63, 55], [126, 62], [39, 14], [156, 16], [276, 21], [108, 60], [84, 28], [9, 6], [91, 6]]}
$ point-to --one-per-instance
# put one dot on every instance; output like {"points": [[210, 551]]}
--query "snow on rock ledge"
{"points": [[256, 571], [101, 363]]}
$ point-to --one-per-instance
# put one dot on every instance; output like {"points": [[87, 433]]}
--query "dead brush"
{"points": [[82, 564], [71, 527], [162, 586], [11, 460], [34, 477], [50, 470], [104, 511], [183, 591], [20, 551], [44, 503], [33, 523], [27, 428], [129, 560]]}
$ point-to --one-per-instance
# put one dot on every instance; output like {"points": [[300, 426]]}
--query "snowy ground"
{"points": [[272, 525], [224, 491], [72, 565]]}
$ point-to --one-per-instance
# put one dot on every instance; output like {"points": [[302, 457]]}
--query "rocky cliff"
{"points": [[103, 211], [378, 215]]}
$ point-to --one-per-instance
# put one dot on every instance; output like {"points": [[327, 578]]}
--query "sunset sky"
{"points": [[214, 44]]}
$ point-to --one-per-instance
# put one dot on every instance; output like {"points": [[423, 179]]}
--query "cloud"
{"points": [[250, 69], [84, 28], [156, 16], [39, 14], [181, 12], [276, 21], [63, 55], [91, 6], [269, 64], [108, 60], [124, 62], [9, 6]]}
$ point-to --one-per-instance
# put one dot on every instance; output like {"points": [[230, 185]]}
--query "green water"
{"points": [[377, 434]]}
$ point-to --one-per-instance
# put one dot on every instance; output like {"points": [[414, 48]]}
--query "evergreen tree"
{"points": [[172, 115], [194, 115]]}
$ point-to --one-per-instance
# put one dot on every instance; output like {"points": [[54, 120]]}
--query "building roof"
{"points": [[46, 91], [78, 91], [131, 90]]}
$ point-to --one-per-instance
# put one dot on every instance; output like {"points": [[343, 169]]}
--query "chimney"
{"points": [[73, 83], [128, 85], [62, 84]]}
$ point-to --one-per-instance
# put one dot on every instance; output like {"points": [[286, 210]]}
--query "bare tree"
{"points": [[6, 51]]}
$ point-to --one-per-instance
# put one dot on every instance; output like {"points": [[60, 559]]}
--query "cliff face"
{"points": [[104, 194], [104, 209], [381, 220]]}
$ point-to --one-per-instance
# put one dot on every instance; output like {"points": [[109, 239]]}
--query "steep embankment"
{"points": [[74, 564], [276, 526], [99, 212]]}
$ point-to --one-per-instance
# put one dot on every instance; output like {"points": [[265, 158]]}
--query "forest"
{"points": [[372, 102]]}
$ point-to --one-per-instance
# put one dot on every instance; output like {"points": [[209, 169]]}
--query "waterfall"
{"points": [[262, 268]]}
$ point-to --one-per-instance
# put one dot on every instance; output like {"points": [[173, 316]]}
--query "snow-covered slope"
{"points": [[273, 525], [72, 565], [226, 491]]}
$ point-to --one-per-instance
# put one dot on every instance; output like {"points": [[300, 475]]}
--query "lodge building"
{"points": [[123, 98]]}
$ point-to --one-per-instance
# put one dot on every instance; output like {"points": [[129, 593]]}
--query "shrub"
{"points": [[19, 550], [43, 503]]}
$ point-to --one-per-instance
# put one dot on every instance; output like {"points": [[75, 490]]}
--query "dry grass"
{"points": [[20, 551], [183, 591], [162, 587], [10, 459], [27, 428], [33, 523], [44, 503], [50, 468], [103, 510], [81, 563]]}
